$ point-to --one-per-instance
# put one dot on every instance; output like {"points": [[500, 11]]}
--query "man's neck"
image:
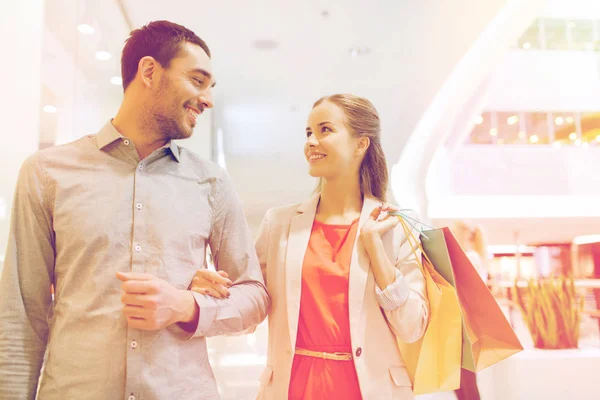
{"points": [[132, 125]]}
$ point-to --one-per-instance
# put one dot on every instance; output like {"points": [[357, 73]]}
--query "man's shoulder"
{"points": [[60, 153]]}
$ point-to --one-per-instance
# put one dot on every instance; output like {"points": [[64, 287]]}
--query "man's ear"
{"points": [[148, 70]]}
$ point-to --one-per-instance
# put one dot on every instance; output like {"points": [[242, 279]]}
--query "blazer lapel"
{"points": [[300, 229], [359, 273]]}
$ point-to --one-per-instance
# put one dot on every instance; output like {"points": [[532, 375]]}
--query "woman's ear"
{"points": [[363, 144]]}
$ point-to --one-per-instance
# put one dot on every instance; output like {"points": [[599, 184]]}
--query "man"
{"points": [[118, 223]]}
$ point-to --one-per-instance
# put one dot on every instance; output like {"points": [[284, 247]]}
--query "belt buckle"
{"points": [[324, 355]]}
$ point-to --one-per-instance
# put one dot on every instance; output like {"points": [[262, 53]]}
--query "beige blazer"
{"points": [[281, 246]]}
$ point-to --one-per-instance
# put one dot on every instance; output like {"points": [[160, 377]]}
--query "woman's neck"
{"points": [[341, 201]]}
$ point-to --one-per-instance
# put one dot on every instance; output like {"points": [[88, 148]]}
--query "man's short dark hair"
{"points": [[161, 40]]}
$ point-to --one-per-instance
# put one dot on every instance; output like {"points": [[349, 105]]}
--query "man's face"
{"points": [[183, 93]]}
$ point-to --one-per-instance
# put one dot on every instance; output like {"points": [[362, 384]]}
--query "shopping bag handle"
{"points": [[414, 243], [411, 220]]}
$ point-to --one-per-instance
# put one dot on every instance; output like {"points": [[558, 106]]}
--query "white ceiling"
{"points": [[263, 96]]}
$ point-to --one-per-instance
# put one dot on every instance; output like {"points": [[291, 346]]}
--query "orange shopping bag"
{"points": [[487, 336], [434, 361]]}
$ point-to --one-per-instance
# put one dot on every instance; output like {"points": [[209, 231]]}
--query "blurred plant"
{"points": [[552, 310]]}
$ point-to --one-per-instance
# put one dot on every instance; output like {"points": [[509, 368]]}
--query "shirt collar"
{"points": [[109, 134]]}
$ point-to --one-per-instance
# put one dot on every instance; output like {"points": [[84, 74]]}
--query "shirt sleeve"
{"points": [[233, 250], [25, 296]]}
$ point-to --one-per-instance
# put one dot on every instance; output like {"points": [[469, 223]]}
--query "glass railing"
{"points": [[579, 129], [561, 34]]}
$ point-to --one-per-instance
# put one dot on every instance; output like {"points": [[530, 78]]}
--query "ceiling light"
{"points": [[557, 144], [572, 135], [513, 119], [521, 135], [359, 51], [526, 45], [534, 139], [493, 132], [116, 80], [103, 55], [569, 120], [598, 138], [85, 29], [559, 120], [265, 44], [478, 120], [50, 109]]}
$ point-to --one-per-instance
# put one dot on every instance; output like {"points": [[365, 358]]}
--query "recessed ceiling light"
{"points": [[493, 132], [521, 135], [50, 109], [569, 120], [526, 45], [86, 29], [265, 44], [359, 51], [478, 120], [103, 55], [557, 144], [572, 135], [559, 120], [116, 80], [513, 119], [534, 139]]}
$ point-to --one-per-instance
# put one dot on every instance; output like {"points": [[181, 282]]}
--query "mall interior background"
{"points": [[490, 113]]}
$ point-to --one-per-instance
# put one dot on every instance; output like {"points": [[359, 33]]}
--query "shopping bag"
{"points": [[487, 336], [433, 362]]}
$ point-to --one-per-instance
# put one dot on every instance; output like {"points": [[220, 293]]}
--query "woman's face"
{"points": [[330, 148]]}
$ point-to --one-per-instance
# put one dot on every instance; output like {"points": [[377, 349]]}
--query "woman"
{"points": [[342, 278]]}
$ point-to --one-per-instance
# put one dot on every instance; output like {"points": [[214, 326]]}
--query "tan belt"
{"points": [[324, 355]]}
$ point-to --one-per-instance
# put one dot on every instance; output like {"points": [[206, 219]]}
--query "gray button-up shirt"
{"points": [[84, 211]]}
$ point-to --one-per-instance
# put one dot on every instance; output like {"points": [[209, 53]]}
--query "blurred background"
{"points": [[490, 114]]}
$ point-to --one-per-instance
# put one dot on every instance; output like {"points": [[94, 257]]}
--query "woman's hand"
{"points": [[212, 283], [378, 224]]}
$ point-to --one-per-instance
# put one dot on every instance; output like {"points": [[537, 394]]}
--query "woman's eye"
{"points": [[308, 133], [325, 129]]}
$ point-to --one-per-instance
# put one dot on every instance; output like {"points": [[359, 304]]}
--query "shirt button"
{"points": [[138, 248], [126, 141], [358, 352], [140, 167], [131, 397], [134, 344], [138, 206]]}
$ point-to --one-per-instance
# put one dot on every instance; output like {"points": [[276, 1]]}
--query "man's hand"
{"points": [[212, 283], [152, 303]]}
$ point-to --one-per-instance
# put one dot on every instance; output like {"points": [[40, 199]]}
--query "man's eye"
{"points": [[199, 81]]}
